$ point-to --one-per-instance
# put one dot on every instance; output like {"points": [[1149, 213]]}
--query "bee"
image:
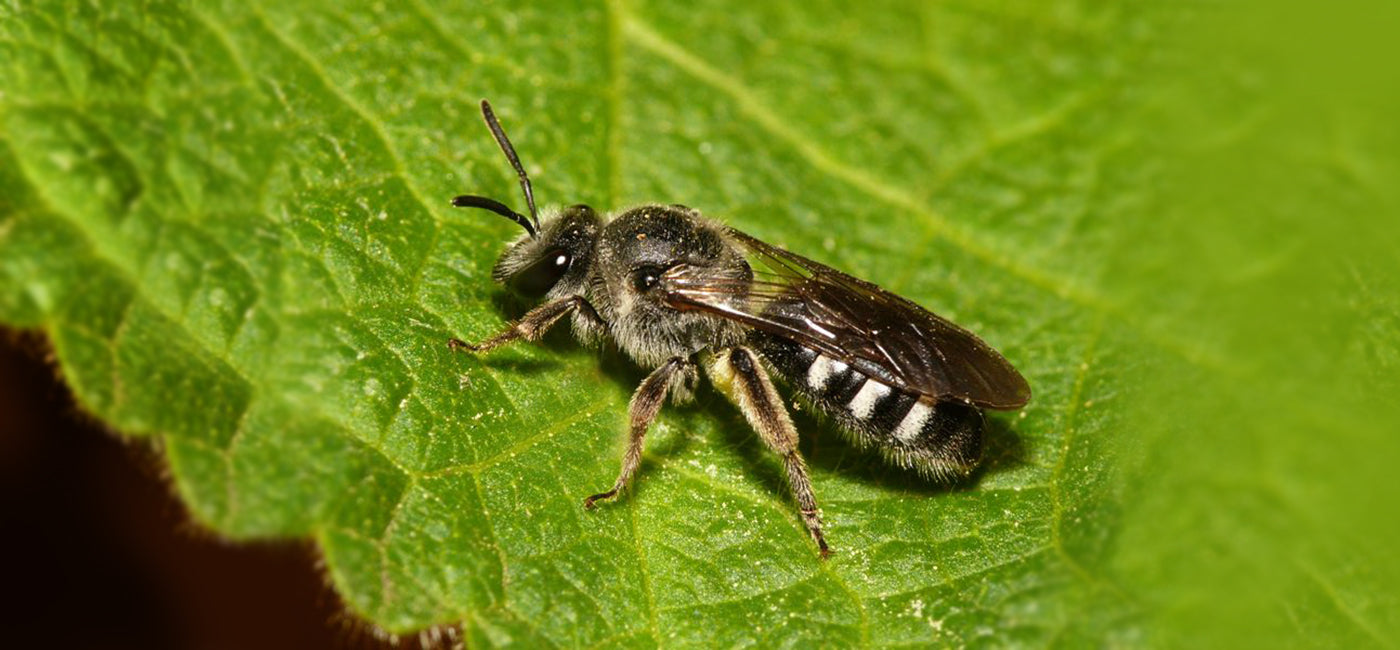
{"points": [[678, 293]]}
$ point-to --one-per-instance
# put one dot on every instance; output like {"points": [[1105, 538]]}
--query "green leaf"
{"points": [[233, 224]]}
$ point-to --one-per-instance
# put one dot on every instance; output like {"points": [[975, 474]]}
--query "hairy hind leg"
{"points": [[753, 391]]}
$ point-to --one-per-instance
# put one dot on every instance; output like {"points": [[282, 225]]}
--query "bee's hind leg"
{"points": [[749, 386], [533, 324], [646, 403]]}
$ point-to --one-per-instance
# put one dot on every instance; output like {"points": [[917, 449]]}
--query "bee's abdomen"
{"points": [[937, 438]]}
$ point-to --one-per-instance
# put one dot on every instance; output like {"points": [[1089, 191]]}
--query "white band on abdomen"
{"points": [[863, 404], [913, 423]]}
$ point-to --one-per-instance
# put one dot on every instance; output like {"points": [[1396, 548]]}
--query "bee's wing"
{"points": [[853, 321]]}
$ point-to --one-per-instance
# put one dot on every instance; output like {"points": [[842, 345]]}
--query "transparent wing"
{"points": [[851, 320]]}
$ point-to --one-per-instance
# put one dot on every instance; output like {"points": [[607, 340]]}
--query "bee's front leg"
{"points": [[646, 403], [532, 325]]}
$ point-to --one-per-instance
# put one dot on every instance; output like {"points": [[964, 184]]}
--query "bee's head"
{"points": [[552, 258], [555, 263]]}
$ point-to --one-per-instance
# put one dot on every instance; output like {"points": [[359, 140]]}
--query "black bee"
{"points": [[676, 291]]}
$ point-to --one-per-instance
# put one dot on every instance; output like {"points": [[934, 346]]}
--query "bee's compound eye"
{"points": [[646, 278], [538, 278]]}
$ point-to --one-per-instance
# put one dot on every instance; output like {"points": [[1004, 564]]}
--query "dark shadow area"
{"points": [[100, 554], [612, 363], [1002, 449], [502, 361]]}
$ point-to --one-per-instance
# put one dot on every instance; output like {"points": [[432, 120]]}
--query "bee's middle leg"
{"points": [[646, 403]]}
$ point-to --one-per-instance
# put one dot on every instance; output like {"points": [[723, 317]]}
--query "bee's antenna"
{"points": [[473, 201], [531, 225], [504, 142]]}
